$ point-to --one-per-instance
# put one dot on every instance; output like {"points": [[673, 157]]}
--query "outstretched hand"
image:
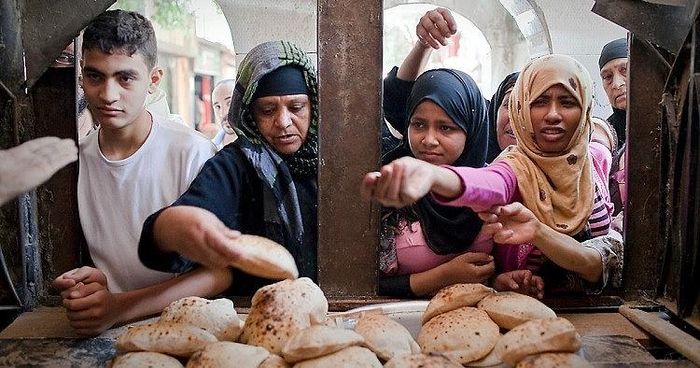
{"points": [[24, 167], [520, 281], [399, 183], [197, 235], [435, 27], [511, 224], [470, 267]]}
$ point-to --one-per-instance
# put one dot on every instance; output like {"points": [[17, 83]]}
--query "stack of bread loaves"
{"points": [[288, 326]]}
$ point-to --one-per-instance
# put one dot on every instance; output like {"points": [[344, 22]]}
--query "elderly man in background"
{"points": [[613, 65], [221, 101]]}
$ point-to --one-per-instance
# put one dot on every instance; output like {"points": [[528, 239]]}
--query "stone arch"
{"points": [[532, 24], [294, 21], [514, 32]]}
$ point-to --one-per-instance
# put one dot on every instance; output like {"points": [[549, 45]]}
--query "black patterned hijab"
{"points": [[260, 61], [447, 229], [276, 171]]}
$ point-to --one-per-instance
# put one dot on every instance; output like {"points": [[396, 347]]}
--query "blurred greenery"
{"points": [[170, 14]]}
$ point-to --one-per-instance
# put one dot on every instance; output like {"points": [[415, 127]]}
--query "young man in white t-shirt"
{"points": [[134, 164]]}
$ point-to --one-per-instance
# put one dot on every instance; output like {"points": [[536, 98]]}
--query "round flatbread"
{"points": [[264, 258], [170, 338], [226, 354], [280, 310], [352, 357], [538, 336], [554, 360], [430, 360], [145, 359], [216, 316], [315, 341], [464, 335], [385, 337], [509, 309], [455, 296]]}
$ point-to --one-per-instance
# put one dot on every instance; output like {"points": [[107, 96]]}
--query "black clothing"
{"points": [[396, 93], [618, 120], [229, 187]]}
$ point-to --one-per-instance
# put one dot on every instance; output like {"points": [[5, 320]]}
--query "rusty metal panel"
{"points": [[12, 99], [57, 211], [11, 73], [663, 25], [647, 75], [50, 25], [681, 145], [350, 64]]}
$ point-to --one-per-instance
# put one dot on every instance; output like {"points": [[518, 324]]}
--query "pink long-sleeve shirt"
{"points": [[497, 184]]}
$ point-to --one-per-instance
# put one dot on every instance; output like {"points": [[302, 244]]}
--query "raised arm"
{"points": [[433, 30]]}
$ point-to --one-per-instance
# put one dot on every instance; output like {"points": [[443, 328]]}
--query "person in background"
{"points": [[427, 246], [613, 63], [433, 30], [221, 102], [133, 164], [555, 170]]}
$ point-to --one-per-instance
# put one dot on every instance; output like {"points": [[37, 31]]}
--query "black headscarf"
{"points": [[508, 82], [447, 229], [616, 49]]}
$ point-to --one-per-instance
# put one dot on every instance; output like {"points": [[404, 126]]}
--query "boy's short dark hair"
{"points": [[120, 30]]}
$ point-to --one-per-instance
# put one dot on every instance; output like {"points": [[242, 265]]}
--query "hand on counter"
{"points": [[90, 307], [24, 167], [520, 281]]}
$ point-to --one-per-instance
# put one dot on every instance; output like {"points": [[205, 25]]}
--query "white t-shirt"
{"points": [[115, 197]]}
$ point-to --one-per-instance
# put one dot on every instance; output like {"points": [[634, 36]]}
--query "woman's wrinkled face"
{"points": [[283, 121], [504, 132], [433, 136], [555, 116]]}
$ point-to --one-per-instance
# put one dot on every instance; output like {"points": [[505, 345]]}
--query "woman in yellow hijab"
{"points": [[555, 171]]}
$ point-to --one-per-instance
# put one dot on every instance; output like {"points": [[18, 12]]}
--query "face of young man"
{"points": [[116, 86], [614, 76]]}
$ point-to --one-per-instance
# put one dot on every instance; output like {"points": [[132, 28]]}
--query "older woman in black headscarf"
{"points": [[427, 246], [265, 183]]}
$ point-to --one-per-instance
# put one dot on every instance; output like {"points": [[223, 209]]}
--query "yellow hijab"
{"points": [[558, 188]]}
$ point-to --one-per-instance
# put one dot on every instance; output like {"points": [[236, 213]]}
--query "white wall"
{"points": [[254, 22], [578, 32], [509, 50]]}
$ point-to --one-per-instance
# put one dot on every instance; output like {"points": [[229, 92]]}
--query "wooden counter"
{"points": [[44, 338]]}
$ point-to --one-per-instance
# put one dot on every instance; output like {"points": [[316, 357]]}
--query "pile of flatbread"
{"points": [[288, 326], [463, 323]]}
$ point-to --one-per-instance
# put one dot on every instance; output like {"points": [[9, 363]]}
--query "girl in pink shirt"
{"points": [[554, 170], [427, 246]]}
